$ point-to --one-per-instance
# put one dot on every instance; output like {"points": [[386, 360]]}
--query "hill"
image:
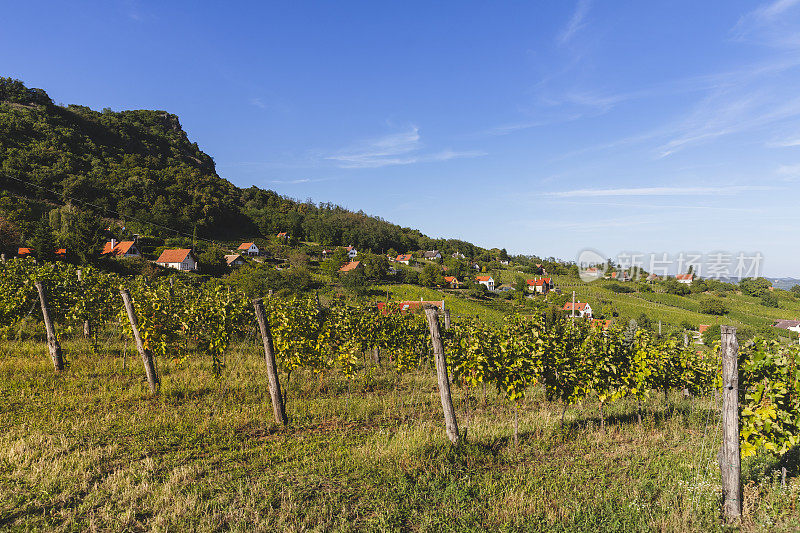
{"points": [[139, 167]]}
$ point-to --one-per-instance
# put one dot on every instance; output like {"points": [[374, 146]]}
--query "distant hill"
{"points": [[141, 168], [784, 283]]}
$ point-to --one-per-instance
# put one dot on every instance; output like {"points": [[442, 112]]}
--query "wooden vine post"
{"points": [[731, 460], [446, 319], [451, 425], [147, 356], [278, 409], [52, 343]]}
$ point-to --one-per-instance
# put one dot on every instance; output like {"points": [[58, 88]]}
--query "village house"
{"points": [[592, 272], [179, 259], [234, 260], [790, 325], [349, 267], [283, 236], [248, 248], [487, 281], [621, 276], [685, 278], [431, 255], [540, 285], [580, 309], [61, 253], [404, 258], [120, 249], [452, 282], [652, 277], [458, 255], [351, 252]]}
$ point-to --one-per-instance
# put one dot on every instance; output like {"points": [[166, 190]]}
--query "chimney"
{"points": [[113, 243]]}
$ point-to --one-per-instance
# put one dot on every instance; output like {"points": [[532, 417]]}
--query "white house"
{"points": [[540, 285], [581, 309], [351, 252], [791, 325], [234, 260], [488, 281], [248, 248], [431, 255], [685, 278], [404, 258], [180, 259]]}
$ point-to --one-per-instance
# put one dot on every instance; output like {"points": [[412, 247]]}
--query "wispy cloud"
{"points": [[258, 103], [402, 148], [576, 22], [789, 172], [658, 191], [772, 23]]}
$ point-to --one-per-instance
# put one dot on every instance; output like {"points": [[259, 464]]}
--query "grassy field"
{"points": [[90, 450]]}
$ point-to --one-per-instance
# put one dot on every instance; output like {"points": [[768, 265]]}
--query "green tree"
{"points": [[431, 276], [768, 299], [755, 286], [713, 306]]}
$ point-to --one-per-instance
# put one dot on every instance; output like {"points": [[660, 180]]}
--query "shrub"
{"points": [[616, 287], [713, 306], [769, 300], [711, 335]]}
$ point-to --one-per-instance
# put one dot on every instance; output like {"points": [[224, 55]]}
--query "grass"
{"points": [[459, 304], [90, 450]]}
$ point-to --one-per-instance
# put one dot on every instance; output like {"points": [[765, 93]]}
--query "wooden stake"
{"points": [[376, 355], [147, 357], [52, 343], [451, 425], [731, 463], [446, 319], [278, 408]]}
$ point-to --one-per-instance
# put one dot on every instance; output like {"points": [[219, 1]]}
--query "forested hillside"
{"points": [[140, 167]]}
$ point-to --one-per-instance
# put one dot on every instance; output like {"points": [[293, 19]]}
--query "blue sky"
{"points": [[542, 127]]}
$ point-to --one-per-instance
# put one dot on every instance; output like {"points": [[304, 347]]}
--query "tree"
{"points": [[671, 286], [43, 242], [713, 306], [355, 281], [768, 299], [332, 265], [212, 261], [520, 285], [375, 266], [755, 286], [795, 290], [9, 237], [431, 276]]}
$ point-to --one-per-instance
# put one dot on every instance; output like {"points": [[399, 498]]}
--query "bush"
{"points": [[672, 286], [711, 335], [713, 306], [616, 287], [755, 286], [769, 300]]}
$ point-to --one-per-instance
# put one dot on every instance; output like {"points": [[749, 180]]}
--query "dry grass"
{"points": [[90, 450]]}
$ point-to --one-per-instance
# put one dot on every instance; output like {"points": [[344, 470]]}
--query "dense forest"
{"points": [[140, 168]]}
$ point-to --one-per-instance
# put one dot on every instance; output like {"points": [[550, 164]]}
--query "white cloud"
{"points": [[402, 148], [789, 172], [576, 22], [658, 191], [258, 103]]}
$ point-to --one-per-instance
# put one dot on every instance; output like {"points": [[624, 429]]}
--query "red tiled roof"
{"points": [[121, 248], [350, 266], [282, 234], [703, 327], [685, 276], [450, 279], [579, 306], [247, 245], [538, 282], [23, 252], [403, 257], [483, 278], [173, 256]]}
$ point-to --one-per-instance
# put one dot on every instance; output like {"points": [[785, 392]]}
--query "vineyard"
{"points": [[207, 334]]}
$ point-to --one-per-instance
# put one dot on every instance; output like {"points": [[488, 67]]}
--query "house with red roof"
{"points": [[60, 253], [487, 281], [125, 249], [404, 258], [283, 235], [452, 282], [540, 285], [351, 252], [179, 259], [248, 248], [685, 278], [349, 267], [579, 308]]}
